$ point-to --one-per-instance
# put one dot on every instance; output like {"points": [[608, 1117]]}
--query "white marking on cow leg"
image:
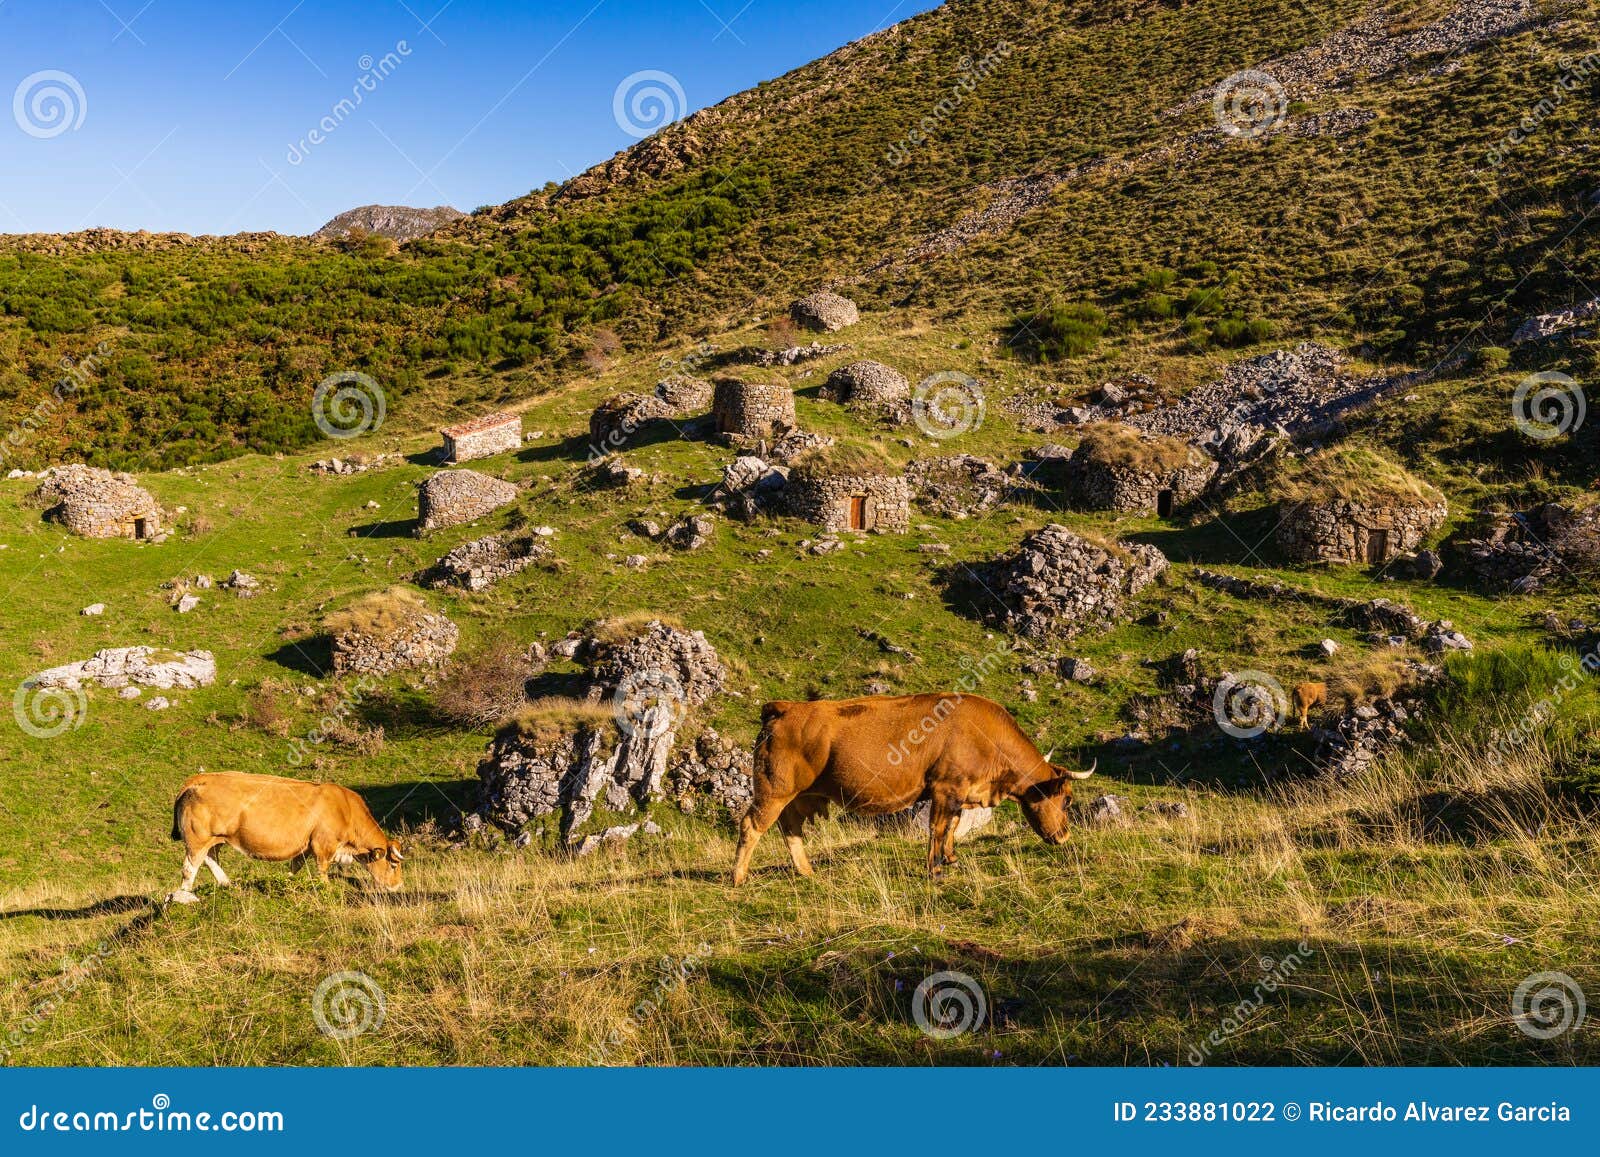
{"points": [[185, 893], [217, 872]]}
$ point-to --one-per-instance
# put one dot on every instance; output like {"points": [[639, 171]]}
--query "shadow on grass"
{"points": [[1245, 539], [392, 528], [111, 906], [419, 801], [310, 656]]}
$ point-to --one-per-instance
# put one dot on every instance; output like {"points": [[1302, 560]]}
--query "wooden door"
{"points": [[1377, 546], [858, 512]]}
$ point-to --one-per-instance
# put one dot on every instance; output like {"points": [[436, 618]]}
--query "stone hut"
{"points": [[824, 311], [618, 418], [99, 503], [390, 630], [752, 409], [452, 497], [1118, 468], [482, 437], [867, 383], [684, 394], [1351, 505], [843, 487]]}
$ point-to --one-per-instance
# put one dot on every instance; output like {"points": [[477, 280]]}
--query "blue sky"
{"points": [[198, 116]]}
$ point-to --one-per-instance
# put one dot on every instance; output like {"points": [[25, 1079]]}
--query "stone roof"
{"points": [[480, 424]]}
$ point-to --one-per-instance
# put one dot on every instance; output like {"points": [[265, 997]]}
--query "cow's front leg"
{"points": [[185, 893], [950, 837], [939, 835]]}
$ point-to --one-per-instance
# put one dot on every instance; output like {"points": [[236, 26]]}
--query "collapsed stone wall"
{"points": [[424, 640], [1058, 584], [479, 564]]}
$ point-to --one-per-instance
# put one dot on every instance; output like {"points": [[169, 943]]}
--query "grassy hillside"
{"points": [[1412, 900]]}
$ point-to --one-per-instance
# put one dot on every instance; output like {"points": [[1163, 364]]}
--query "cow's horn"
{"points": [[1085, 774], [1049, 755]]}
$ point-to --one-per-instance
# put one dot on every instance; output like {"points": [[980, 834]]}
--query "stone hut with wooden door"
{"points": [[481, 437], [1116, 467], [744, 409], [848, 487], [1352, 505], [99, 503]]}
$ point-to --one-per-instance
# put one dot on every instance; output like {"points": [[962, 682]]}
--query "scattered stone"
{"points": [[1442, 636], [1108, 809], [94, 609], [1328, 648], [958, 486], [690, 533], [202, 582], [913, 823], [1548, 325], [129, 693], [636, 562], [1075, 670], [157, 703], [242, 584], [1167, 809], [186, 604], [612, 471], [1423, 565]]}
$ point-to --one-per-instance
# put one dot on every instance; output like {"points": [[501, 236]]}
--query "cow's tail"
{"points": [[177, 814]]}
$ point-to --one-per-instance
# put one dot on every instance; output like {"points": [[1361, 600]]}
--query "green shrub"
{"points": [[1492, 358], [1059, 331]]}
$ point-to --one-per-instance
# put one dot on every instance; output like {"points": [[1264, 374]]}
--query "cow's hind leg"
{"points": [[191, 868], [762, 815], [941, 835], [792, 821], [217, 873]]}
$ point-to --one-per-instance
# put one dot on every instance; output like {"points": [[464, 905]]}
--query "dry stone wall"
{"points": [[1349, 532], [883, 501], [752, 409], [453, 497]]}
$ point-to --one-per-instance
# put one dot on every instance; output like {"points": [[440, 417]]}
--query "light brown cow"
{"points": [[1307, 696], [272, 818], [880, 755]]}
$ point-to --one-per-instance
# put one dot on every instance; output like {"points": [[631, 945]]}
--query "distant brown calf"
{"points": [[1307, 696], [272, 818]]}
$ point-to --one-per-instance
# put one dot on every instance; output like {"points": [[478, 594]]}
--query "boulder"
{"points": [[147, 666]]}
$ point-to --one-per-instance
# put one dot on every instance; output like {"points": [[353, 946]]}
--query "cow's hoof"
{"points": [[182, 896]]}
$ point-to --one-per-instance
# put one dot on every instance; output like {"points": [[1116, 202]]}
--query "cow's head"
{"points": [[384, 864], [1048, 804]]}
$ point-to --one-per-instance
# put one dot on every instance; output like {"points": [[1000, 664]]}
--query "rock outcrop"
{"points": [[128, 666], [479, 564], [396, 222]]}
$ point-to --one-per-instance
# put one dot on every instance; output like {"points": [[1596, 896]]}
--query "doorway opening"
{"points": [[1164, 504]]}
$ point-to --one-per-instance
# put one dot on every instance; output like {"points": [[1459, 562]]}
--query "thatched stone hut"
{"points": [[1118, 468], [1352, 505], [845, 487]]}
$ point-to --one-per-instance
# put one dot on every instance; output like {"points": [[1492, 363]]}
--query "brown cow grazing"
{"points": [[272, 818], [880, 755], [1307, 696]]}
